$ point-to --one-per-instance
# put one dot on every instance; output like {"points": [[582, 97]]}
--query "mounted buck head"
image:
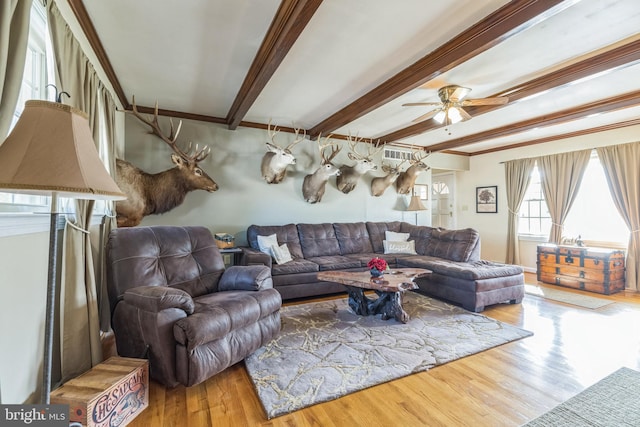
{"points": [[314, 184], [276, 159], [158, 193], [349, 175], [406, 180], [380, 184]]}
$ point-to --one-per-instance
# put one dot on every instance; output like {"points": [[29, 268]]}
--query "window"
{"points": [[593, 215], [534, 217], [33, 86]]}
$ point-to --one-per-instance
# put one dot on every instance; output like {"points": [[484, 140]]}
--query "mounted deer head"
{"points": [[406, 180], [349, 175], [314, 184], [380, 184], [276, 159], [158, 193]]}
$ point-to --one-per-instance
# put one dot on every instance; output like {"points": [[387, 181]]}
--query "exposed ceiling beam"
{"points": [[292, 17], [90, 32], [580, 132], [507, 21], [616, 58], [611, 104]]}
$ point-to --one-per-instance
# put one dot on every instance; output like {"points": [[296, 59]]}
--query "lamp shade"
{"points": [[51, 150], [416, 204]]}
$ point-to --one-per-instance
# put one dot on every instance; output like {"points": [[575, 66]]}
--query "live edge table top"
{"points": [[396, 280]]}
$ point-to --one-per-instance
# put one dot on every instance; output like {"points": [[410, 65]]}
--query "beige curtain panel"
{"points": [[561, 175], [518, 176], [80, 318], [14, 35], [622, 168]]}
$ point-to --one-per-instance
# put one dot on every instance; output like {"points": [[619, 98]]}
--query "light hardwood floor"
{"points": [[572, 348]]}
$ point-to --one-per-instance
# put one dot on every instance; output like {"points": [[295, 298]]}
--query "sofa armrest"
{"points": [[252, 256], [246, 278], [158, 298]]}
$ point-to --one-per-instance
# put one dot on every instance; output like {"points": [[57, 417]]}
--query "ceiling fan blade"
{"points": [[459, 93], [413, 104], [464, 114], [427, 116], [498, 100]]}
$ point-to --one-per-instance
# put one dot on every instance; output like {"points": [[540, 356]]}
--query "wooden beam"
{"points": [[90, 32], [180, 115], [507, 21], [616, 58], [631, 99], [581, 132], [292, 17]]}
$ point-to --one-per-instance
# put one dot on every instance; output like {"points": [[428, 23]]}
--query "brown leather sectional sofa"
{"points": [[459, 275]]}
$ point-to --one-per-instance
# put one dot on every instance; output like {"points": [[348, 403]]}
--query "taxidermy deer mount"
{"points": [[406, 180], [349, 175], [314, 184], [149, 194], [276, 159], [380, 184]]}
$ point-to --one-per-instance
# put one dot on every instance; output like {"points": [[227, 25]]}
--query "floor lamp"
{"points": [[415, 204], [51, 152]]}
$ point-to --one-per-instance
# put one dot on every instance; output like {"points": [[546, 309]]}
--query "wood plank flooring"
{"points": [[572, 348]]}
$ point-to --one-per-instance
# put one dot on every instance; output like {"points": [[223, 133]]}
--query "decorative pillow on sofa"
{"points": [[266, 242], [281, 254], [391, 247], [392, 236]]}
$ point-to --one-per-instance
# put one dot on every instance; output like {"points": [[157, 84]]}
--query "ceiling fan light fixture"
{"points": [[442, 114], [453, 115]]}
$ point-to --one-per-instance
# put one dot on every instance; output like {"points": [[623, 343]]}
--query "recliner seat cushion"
{"points": [[219, 313]]}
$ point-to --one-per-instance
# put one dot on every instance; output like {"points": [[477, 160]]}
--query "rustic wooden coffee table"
{"points": [[389, 289]]}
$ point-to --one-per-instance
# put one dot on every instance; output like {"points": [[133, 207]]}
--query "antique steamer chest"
{"points": [[591, 269]]}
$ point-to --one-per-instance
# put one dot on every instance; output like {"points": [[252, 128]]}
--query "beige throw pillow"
{"points": [[400, 247], [392, 236]]}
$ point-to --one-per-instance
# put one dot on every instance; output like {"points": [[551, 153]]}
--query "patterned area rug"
{"points": [[324, 351], [572, 298], [612, 402]]}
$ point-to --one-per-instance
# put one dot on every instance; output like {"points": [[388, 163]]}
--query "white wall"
{"points": [[244, 198], [485, 170], [23, 263]]}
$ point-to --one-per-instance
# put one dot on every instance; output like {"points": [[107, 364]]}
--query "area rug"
{"points": [[325, 351], [572, 298], [610, 402]]}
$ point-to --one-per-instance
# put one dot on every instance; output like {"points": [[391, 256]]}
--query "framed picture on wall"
{"points": [[487, 199]]}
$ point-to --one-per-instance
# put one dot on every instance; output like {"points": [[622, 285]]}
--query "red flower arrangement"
{"points": [[377, 263]]}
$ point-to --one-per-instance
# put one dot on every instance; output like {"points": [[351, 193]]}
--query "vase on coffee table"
{"points": [[376, 273]]}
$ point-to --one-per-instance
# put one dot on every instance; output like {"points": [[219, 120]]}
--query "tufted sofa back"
{"points": [[186, 258]]}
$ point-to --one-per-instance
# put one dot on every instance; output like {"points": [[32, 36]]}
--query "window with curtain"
{"points": [[33, 86], [593, 215]]}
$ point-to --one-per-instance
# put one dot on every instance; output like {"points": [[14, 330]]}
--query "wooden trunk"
{"points": [[110, 394], [591, 269]]}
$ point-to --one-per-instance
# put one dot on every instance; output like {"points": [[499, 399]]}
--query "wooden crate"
{"points": [[111, 393], [591, 269]]}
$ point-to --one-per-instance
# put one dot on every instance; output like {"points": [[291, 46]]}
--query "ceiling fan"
{"points": [[449, 110]]}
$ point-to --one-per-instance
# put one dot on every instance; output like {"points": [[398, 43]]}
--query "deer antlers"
{"points": [[335, 149], [188, 156], [371, 149]]}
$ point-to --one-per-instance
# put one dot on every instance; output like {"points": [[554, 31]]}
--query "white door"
{"points": [[443, 203]]}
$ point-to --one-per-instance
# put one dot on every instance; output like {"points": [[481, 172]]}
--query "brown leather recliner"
{"points": [[172, 298]]}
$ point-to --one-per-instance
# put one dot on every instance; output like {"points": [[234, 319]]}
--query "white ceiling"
{"points": [[193, 56]]}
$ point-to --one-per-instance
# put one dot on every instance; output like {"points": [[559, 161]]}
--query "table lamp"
{"points": [[51, 152]]}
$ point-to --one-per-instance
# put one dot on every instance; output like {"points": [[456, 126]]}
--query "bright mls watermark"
{"points": [[34, 415]]}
